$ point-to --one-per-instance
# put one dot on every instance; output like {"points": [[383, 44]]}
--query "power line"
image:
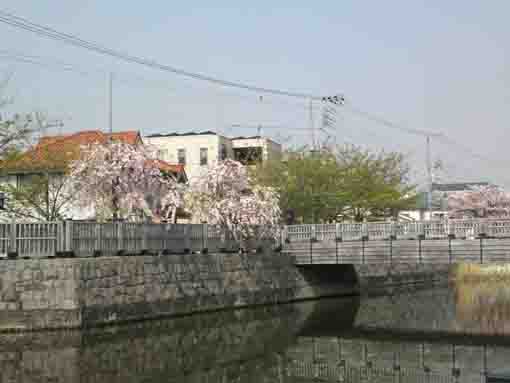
{"points": [[120, 78], [45, 31], [390, 124], [41, 30]]}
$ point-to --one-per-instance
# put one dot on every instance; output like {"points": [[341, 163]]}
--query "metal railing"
{"points": [[467, 229], [382, 241], [444, 241], [73, 238]]}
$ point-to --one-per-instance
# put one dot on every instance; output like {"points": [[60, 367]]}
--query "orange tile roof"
{"points": [[55, 152], [175, 169], [165, 166]]}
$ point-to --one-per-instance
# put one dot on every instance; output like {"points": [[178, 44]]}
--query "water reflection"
{"points": [[409, 336]]}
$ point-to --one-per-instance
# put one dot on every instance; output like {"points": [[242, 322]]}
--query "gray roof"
{"points": [[174, 134]]}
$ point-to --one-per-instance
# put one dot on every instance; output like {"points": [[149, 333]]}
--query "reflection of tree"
{"points": [[483, 307]]}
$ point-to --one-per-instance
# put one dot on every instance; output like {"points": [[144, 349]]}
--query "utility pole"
{"points": [[429, 178], [328, 117], [110, 102], [259, 128], [312, 127]]}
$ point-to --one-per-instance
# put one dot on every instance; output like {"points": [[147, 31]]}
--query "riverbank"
{"points": [[469, 272], [40, 294]]}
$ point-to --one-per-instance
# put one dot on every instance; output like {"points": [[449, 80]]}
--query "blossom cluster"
{"points": [[119, 179], [479, 202], [225, 195]]}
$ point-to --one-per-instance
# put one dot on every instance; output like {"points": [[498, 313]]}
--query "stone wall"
{"points": [[83, 292]]}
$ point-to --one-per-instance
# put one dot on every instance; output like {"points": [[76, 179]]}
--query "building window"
{"points": [[248, 156], [223, 152], [24, 180], [203, 156], [162, 154], [181, 156]]}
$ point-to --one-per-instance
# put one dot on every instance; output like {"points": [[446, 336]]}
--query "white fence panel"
{"points": [[408, 230], [498, 228], [5, 239], [36, 239], [435, 229], [351, 231], [326, 232], [298, 233], [378, 230]]}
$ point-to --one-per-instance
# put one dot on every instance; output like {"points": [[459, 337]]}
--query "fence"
{"points": [[28, 239], [466, 229], [66, 238]]}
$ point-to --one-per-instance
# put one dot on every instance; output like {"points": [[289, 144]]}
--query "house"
{"points": [[51, 156], [439, 201], [197, 151], [251, 150]]}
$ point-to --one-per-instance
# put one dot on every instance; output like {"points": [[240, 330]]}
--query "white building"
{"points": [[255, 149], [197, 151]]}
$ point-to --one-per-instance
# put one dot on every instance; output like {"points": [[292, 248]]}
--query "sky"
{"points": [[432, 65]]}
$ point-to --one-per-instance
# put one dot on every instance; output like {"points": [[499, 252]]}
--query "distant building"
{"points": [[197, 151], [439, 206], [251, 150]]}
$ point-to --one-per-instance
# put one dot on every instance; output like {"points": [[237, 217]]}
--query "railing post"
{"points": [[120, 239], [393, 230], [419, 251], [144, 237], [313, 238], [205, 234], [187, 238], [223, 239], [449, 249], [481, 250], [391, 250], [338, 238], [13, 247], [363, 250], [364, 230], [59, 238], [285, 235], [68, 235], [97, 230]]}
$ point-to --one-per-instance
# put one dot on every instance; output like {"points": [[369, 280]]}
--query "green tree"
{"points": [[343, 183], [376, 184]]}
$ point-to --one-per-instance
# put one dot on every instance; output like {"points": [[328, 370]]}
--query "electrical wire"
{"points": [[121, 78], [41, 30], [45, 31]]}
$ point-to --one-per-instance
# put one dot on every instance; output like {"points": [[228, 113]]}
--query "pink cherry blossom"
{"points": [[225, 195], [120, 179], [480, 202]]}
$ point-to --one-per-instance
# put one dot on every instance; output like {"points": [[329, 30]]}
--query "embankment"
{"points": [[85, 292]]}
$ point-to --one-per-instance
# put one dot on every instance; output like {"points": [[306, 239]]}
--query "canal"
{"points": [[442, 334]]}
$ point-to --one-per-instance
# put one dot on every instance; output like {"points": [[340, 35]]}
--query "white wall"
{"points": [[270, 149], [169, 146]]}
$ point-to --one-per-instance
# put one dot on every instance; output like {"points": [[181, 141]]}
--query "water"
{"points": [[443, 334]]}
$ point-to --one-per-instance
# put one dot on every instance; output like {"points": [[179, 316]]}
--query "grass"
{"points": [[481, 274]]}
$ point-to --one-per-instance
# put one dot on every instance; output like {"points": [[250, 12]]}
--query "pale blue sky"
{"points": [[434, 65]]}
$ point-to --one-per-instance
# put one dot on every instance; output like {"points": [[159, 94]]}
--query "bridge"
{"points": [[436, 242]]}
